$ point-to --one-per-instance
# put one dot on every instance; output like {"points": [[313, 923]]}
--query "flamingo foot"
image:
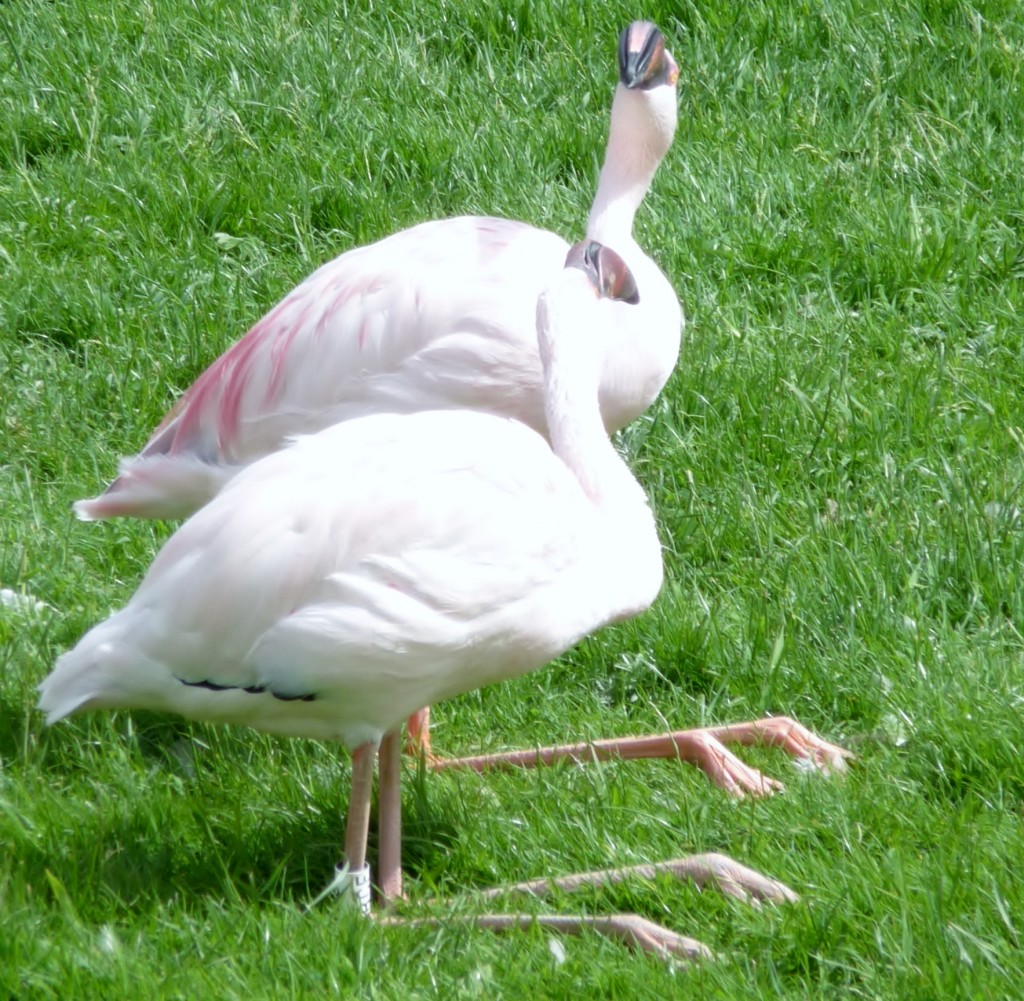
{"points": [[792, 737]]}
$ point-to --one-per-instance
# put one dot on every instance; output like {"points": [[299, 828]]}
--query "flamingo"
{"points": [[441, 316], [394, 560], [434, 317]]}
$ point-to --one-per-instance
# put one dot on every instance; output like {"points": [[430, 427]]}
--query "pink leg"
{"points": [[704, 748], [357, 826], [353, 873], [711, 870], [633, 930], [389, 805], [417, 734]]}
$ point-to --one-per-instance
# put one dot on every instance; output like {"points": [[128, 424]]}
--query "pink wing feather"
{"points": [[434, 317]]}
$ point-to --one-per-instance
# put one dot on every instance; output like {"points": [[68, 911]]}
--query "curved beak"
{"points": [[644, 62], [607, 271]]}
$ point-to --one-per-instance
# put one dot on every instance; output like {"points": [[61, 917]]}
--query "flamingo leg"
{"points": [[631, 929], [357, 826], [635, 931], [707, 871], [703, 747], [417, 734], [389, 806], [354, 872]]}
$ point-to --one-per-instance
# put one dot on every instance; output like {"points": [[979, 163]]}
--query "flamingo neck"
{"points": [[635, 148], [576, 430]]}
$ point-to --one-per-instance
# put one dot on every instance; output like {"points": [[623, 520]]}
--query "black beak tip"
{"points": [[639, 45]]}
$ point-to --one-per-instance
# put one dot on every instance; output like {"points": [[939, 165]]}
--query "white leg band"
{"points": [[359, 882]]}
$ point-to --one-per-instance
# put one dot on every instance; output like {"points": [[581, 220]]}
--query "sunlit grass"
{"points": [[836, 466]]}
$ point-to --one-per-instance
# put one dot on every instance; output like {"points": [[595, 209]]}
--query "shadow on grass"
{"points": [[188, 832]]}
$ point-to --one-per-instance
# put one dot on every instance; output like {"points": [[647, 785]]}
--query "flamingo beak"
{"points": [[608, 272], [644, 63]]}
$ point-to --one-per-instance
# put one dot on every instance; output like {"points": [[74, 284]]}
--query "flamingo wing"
{"points": [[343, 582], [436, 316]]}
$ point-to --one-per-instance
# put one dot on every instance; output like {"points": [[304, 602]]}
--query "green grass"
{"points": [[837, 467]]}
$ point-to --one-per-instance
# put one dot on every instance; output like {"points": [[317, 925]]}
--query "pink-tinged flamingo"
{"points": [[439, 316], [332, 588]]}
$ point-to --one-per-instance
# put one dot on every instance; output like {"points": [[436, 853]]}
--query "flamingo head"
{"points": [[606, 270], [644, 62], [645, 110], [575, 318]]}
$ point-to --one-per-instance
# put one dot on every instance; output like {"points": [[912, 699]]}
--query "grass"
{"points": [[836, 466]]}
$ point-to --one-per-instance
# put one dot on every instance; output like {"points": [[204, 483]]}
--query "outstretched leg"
{"points": [[704, 748], [711, 870], [631, 929], [708, 871]]}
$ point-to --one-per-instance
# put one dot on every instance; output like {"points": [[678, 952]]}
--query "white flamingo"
{"points": [[391, 561], [436, 316], [439, 316]]}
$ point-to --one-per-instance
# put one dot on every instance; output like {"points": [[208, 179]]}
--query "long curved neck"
{"points": [[630, 161], [624, 570], [575, 427]]}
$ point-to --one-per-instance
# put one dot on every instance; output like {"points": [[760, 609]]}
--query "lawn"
{"points": [[836, 465]]}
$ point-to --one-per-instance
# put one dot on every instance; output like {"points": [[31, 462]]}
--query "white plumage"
{"points": [[437, 316], [336, 586]]}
